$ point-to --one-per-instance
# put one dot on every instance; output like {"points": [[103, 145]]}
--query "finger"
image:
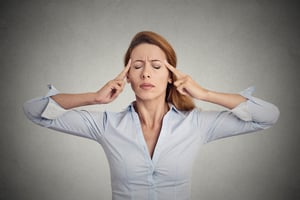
{"points": [[184, 92], [123, 74], [181, 90], [117, 85], [115, 91], [170, 67], [175, 71], [178, 83]]}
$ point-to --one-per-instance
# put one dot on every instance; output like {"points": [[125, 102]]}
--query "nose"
{"points": [[146, 76], [146, 72]]}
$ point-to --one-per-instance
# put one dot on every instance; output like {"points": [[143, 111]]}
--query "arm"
{"points": [[249, 116], [187, 86], [47, 113], [51, 110], [69, 101], [227, 100], [246, 113]]}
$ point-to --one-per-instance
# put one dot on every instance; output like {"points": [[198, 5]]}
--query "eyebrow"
{"points": [[154, 60]]}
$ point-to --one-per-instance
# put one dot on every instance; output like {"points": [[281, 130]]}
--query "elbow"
{"points": [[33, 109], [275, 115], [272, 116], [265, 115], [29, 112]]}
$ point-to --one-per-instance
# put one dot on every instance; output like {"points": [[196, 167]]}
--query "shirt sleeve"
{"points": [[44, 111], [252, 115]]}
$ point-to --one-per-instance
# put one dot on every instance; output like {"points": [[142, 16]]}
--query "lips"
{"points": [[146, 86]]}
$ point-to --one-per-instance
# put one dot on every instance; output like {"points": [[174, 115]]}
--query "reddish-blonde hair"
{"points": [[181, 102]]}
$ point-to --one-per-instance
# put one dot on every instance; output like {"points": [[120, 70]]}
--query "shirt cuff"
{"points": [[52, 110], [242, 110], [52, 91]]}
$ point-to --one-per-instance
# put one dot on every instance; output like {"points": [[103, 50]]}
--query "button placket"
{"points": [[161, 139]]}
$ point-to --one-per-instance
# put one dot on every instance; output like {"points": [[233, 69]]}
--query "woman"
{"points": [[152, 144]]}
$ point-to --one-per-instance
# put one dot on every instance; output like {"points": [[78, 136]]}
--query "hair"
{"points": [[181, 102]]}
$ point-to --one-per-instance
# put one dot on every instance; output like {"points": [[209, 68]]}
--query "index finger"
{"points": [[175, 71], [123, 74]]}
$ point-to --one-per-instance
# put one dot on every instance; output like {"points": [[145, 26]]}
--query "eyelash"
{"points": [[154, 66], [137, 67]]}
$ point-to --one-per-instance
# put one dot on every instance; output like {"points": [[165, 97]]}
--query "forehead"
{"points": [[150, 51]]}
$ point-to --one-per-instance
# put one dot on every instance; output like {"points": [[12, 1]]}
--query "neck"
{"points": [[151, 113]]}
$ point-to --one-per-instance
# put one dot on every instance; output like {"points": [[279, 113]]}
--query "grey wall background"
{"points": [[79, 45]]}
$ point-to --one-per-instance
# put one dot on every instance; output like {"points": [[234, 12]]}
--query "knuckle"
{"points": [[187, 77]]}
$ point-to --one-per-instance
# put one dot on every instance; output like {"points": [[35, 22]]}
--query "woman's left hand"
{"points": [[186, 85]]}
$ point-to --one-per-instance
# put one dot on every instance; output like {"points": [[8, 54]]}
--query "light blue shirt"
{"points": [[167, 175]]}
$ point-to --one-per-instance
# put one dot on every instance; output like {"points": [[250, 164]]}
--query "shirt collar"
{"points": [[171, 106]]}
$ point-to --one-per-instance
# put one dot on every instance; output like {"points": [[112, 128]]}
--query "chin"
{"points": [[149, 97]]}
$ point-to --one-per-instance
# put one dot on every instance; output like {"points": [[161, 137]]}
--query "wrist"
{"points": [[95, 98], [204, 94]]}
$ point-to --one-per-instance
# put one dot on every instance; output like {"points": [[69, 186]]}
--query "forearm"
{"points": [[69, 101], [227, 100]]}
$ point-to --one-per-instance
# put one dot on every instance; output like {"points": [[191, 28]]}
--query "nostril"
{"points": [[146, 76]]}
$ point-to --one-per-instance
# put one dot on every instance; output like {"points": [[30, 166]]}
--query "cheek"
{"points": [[164, 76], [132, 77]]}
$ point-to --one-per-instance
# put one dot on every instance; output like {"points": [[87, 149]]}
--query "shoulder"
{"points": [[191, 115], [117, 116]]}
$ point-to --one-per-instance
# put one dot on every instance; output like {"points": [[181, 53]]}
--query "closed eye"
{"points": [[137, 66], [156, 66]]}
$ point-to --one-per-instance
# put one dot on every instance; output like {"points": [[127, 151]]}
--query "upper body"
{"points": [[152, 144]]}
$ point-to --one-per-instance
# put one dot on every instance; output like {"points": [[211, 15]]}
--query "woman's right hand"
{"points": [[113, 88], [106, 94]]}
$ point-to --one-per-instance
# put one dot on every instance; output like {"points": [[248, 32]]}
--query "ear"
{"points": [[128, 79], [170, 80]]}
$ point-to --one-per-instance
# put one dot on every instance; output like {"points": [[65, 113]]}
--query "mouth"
{"points": [[146, 86]]}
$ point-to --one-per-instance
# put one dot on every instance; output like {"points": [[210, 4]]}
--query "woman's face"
{"points": [[148, 74]]}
